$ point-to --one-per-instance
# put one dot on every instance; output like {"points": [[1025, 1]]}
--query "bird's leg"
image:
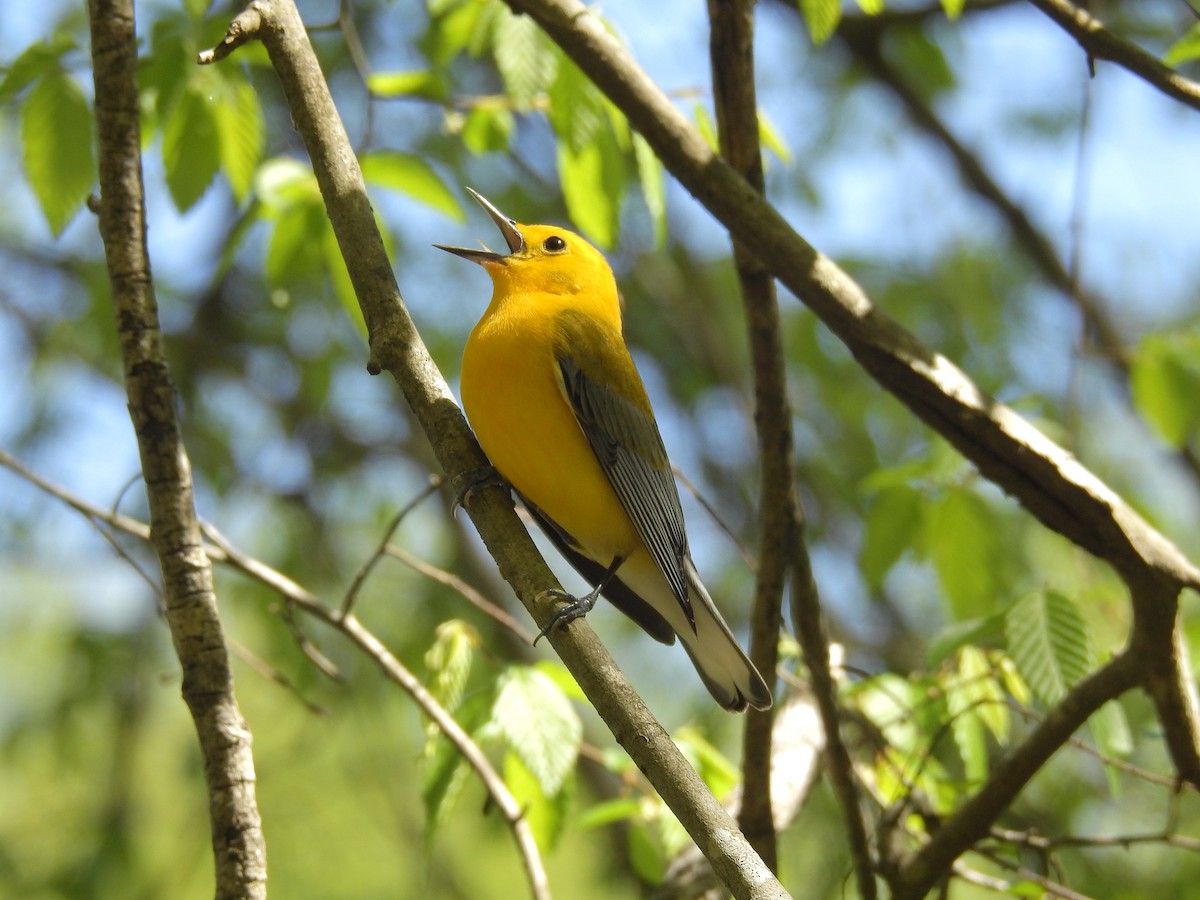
{"points": [[467, 483], [577, 607]]}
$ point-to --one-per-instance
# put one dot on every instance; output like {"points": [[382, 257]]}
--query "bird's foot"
{"points": [[467, 483], [573, 608]]}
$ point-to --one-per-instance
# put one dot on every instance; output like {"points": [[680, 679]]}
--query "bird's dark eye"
{"points": [[554, 244]]}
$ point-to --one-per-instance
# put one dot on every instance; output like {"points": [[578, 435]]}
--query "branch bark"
{"points": [[190, 603], [397, 348], [731, 51], [1100, 43]]}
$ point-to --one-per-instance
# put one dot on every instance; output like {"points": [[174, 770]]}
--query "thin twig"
{"points": [[381, 550], [466, 591]]}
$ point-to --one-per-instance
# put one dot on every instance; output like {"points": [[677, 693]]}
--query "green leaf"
{"points": [[953, 8], [539, 724], [290, 253], [525, 57], [544, 813], [771, 139], [871, 7], [593, 180], [413, 176], [487, 129], [191, 148], [822, 17], [444, 771], [1048, 643], [1111, 730], [654, 188], [418, 83], [576, 110], [56, 144], [705, 125], [241, 134], [710, 764], [891, 523], [621, 809], [343, 287], [449, 661], [1186, 49], [957, 634], [1165, 381], [34, 62], [959, 536]]}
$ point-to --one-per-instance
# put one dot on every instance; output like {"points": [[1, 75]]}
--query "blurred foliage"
{"points": [[963, 620]]}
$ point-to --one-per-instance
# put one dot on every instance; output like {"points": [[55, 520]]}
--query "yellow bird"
{"points": [[558, 406]]}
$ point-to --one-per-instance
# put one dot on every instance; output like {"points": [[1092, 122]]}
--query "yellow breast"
{"points": [[513, 398]]}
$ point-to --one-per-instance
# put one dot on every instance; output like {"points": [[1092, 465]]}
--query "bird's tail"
{"points": [[723, 667]]}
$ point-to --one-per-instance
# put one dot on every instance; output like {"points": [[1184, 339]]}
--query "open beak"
{"points": [[507, 227]]}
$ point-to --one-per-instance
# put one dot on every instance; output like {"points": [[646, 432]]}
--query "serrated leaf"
{"points": [[34, 62], [576, 110], [418, 83], [56, 146], [413, 176], [593, 181], [1186, 49], [241, 135], [960, 538], [190, 149], [1165, 383], [525, 57], [449, 661], [539, 724], [822, 17], [544, 813], [654, 187], [1048, 643], [891, 523]]}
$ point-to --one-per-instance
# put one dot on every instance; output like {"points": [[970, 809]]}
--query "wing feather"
{"points": [[627, 444]]}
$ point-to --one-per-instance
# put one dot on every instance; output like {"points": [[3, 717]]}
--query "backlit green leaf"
{"points": [[544, 813], [891, 524], [413, 176], [418, 83], [959, 536], [34, 62], [56, 145], [1048, 643], [822, 17], [1186, 49], [241, 134], [539, 724], [593, 181], [1165, 381], [191, 147]]}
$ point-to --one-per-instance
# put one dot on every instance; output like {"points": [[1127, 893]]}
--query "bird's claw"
{"points": [[573, 608], [471, 481]]}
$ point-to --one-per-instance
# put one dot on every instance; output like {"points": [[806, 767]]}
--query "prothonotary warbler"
{"points": [[558, 406]]}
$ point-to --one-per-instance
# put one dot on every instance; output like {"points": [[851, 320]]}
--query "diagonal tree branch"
{"points": [[190, 603], [397, 348], [972, 821], [1100, 43]]}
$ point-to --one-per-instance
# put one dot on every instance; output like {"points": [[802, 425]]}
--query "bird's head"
{"points": [[541, 259]]}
